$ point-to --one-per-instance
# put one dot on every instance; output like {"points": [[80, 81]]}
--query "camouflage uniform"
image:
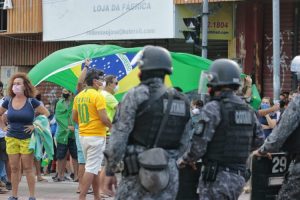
{"points": [[288, 123], [227, 185], [130, 187]]}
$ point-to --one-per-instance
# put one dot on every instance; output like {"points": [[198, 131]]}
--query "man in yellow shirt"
{"points": [[90, 114]]}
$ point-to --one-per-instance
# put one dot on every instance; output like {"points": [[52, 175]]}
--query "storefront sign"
{"points": [[107, 19]]}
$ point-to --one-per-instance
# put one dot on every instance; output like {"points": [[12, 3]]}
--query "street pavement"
{"points": [[60, 191], [49, 190]]}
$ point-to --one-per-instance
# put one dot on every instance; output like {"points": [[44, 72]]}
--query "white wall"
{"points": [[107, 19]]}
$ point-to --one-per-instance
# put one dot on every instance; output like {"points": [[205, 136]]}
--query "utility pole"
{"points": [[204, 27], [276, 49]]}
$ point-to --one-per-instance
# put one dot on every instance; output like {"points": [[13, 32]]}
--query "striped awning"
{"points": [[200, 1]]}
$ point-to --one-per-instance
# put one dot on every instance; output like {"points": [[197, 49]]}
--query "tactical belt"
{"points": [[235, 171]]}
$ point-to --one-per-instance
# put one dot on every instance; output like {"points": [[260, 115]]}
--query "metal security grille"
{"points": [[287, 11], [3, 17]]}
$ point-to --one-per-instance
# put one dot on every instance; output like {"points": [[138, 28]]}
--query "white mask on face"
{"points": [[17, 89], [116, 88], [195, 111], [101, 85]]}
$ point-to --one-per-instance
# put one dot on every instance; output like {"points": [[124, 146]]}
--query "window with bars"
{"points": [[3, 17]]}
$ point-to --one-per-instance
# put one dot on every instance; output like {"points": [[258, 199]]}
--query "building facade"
{"points": [[247, 38]]}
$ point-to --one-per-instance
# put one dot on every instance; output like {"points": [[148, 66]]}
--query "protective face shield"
{"points": [[224, 72], [153, 58], [295, 66], [203, 90], [137, 58]]}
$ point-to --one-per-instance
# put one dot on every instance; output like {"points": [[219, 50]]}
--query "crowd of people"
{"points": [[88, 136], [74, 157]]}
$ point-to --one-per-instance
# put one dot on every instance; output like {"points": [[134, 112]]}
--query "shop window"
{"points": [[6, 73], [3, 17]]}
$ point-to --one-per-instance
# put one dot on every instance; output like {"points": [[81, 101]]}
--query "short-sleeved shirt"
{"points": [[111, 103], [87, 103], [63, 116], [17, 119], [263, 120]]}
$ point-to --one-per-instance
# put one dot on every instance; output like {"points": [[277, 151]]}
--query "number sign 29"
{"points": [[279, 164]]}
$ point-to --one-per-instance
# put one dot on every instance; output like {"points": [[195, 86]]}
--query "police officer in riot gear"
{"points": [[137, 125], [286, 136], [223, 136]]}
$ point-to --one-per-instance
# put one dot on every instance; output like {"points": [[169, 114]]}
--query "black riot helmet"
{"points": [[154, 58], [224, 72]]}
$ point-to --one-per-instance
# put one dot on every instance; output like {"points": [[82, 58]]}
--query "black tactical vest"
{"points": [[292, 144], [232, 140], [147, 125]]}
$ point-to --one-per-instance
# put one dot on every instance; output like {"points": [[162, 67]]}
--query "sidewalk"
{"points": [[49, 191], [60, 191]]}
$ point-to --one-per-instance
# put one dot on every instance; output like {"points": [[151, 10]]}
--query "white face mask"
{"points": [[116, 88], [195, 111], [102, 85], [17, 89]]}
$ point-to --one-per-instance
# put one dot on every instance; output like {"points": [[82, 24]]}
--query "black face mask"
{"points": [[39, 97], [66, 96]]}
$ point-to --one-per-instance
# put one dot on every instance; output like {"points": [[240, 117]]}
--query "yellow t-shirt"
{"points": [[87, 103]]}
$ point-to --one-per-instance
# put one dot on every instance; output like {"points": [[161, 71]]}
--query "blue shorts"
{"points": [[80, 156]]}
